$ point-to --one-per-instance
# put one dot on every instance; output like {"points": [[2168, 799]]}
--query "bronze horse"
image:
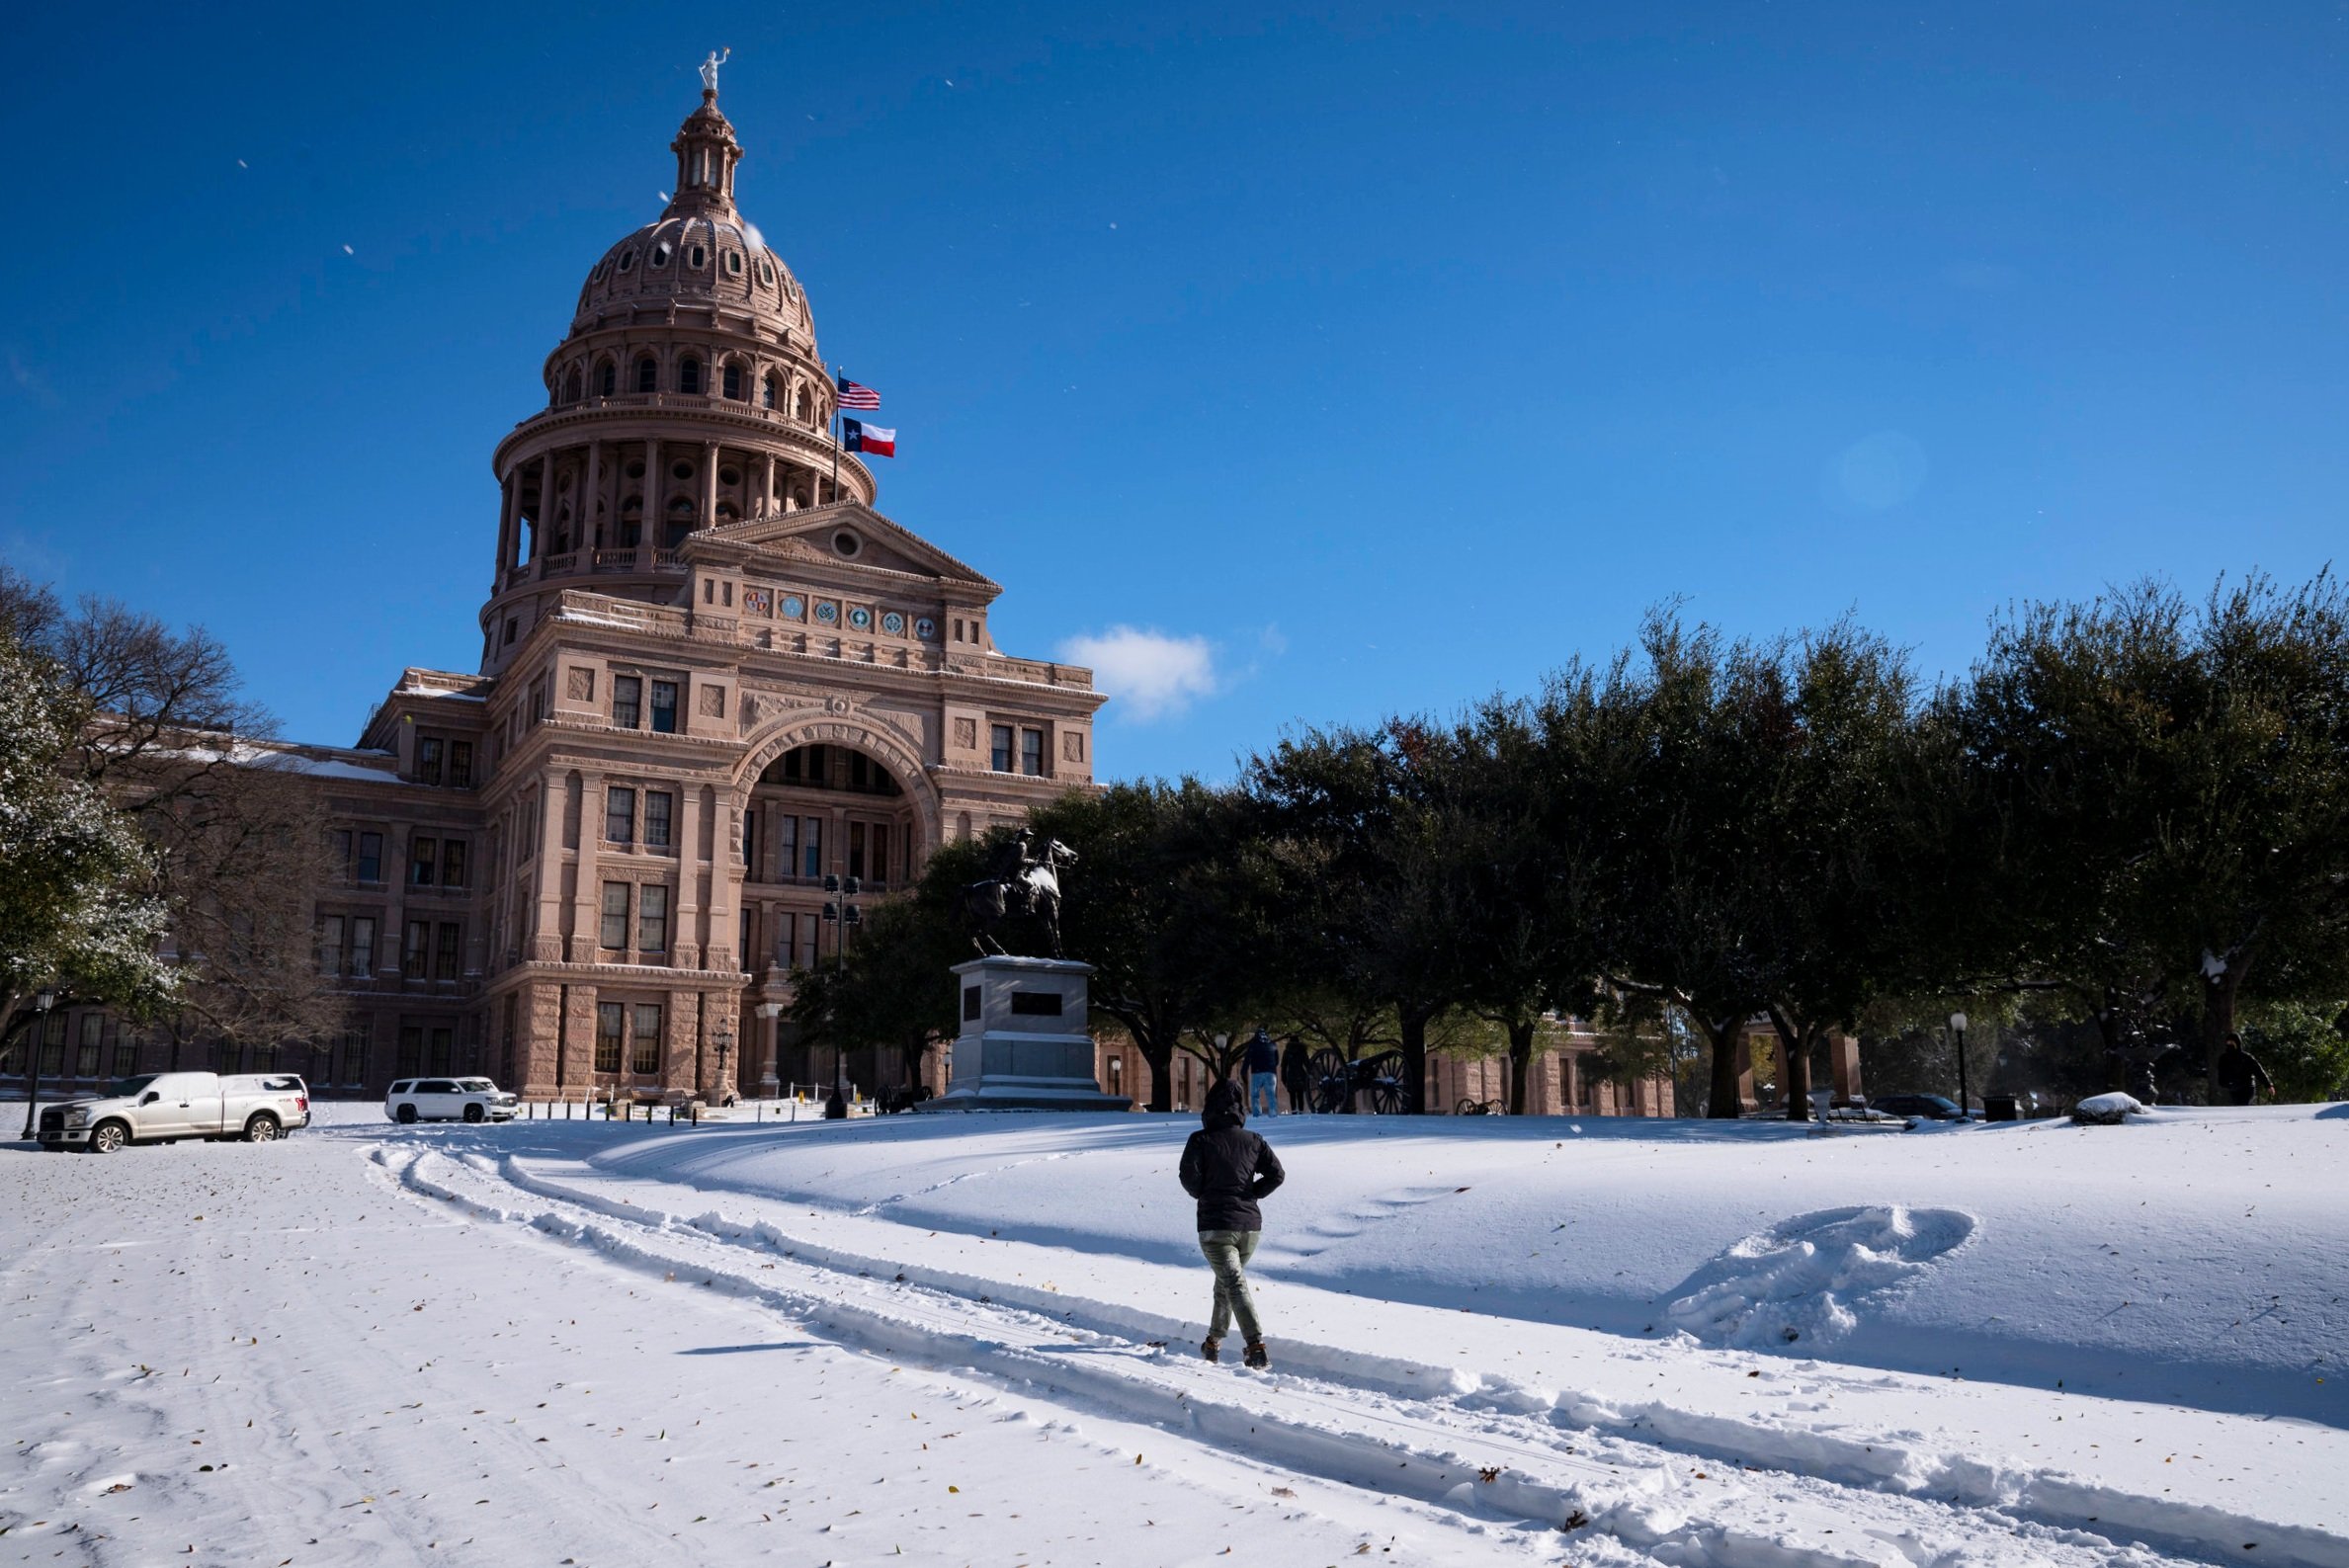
{"points": [[1025, 883]]}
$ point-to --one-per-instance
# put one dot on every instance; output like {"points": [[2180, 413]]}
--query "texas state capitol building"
{"points": [[711, 674]]}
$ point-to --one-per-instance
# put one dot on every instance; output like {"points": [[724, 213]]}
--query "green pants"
{"points": [[1227, 1253]]}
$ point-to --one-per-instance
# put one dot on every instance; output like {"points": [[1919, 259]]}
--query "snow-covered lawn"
{"points": [[1689, 1343]]}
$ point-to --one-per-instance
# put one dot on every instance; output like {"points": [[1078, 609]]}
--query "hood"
{"points": [[1227, 1106]]}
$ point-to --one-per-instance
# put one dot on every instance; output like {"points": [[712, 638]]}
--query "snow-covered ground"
{"points": [[971, 1340]]}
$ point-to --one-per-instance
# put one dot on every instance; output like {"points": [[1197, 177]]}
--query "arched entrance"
{"points": [[829, 804]]}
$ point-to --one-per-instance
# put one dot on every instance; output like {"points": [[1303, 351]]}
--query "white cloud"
{"points": [[1152, 673]]}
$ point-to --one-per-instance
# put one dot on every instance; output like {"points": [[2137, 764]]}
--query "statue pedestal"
{"points": [[1025, 1043]]}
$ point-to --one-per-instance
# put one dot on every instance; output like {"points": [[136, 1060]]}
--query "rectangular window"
{"points": [[449, 959], [371, 857], [411, 1051], [648, 1039], [657, 806], [611, 1020], [52, 1047], [619, 816], [664, 708], [444, 1041], [628, 702], [1001, 738], [461, 764], [452, 867], [428, 760], [125, 1054], [411, 958], [812, 847], [339, 845], [787, 846], [652, 920], [1031, 753], [422, 856], [331, 943], [525, 829], [85, 1064], [356, 1040], [881, 855], [362, 946], [750, 839], [538, 702], [616, 916], [855, 849], [505, 1062]]}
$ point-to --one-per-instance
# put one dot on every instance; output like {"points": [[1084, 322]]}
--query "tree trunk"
{"points": [[1161, 1060], [1723, 1103], [1794, 1046], [1414, 1034], [1521, 1064], [2218, 1009]]}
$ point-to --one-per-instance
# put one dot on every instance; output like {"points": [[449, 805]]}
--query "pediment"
{"points": [[882, 546]]}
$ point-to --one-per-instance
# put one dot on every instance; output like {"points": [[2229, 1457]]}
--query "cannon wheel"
{"points": [[1325, 1071], [1390, 1094]]}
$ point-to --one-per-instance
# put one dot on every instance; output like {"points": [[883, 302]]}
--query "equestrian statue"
{"points": [[1025, 883]]}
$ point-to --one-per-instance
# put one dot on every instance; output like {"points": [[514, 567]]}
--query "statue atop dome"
{"points": [[709, 69]]}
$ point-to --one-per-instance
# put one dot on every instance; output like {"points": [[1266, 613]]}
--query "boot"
{"points": [[1257, 1357], [1213, 1349]]}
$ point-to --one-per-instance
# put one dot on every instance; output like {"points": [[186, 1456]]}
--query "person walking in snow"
{"points": [[1229, 1170], [2239, 1075], [1264, 1064], [1296, 1073]]}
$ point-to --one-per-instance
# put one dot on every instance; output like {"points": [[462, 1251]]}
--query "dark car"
{"points": [[1929, 1107]]}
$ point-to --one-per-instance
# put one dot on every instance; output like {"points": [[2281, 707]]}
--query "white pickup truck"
{"points": [[158, 1107]]}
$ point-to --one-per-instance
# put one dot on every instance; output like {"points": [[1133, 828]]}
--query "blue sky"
{"points": [[1348, 361]]}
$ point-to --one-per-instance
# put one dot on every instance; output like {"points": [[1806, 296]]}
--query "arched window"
{"points": [[570, 385], [733, 379], [770, 393], [607, 378], [689, 375], [805, 409], [649, 374]]}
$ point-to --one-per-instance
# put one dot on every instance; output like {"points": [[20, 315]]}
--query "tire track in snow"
{"points": [[1390, 1426]]}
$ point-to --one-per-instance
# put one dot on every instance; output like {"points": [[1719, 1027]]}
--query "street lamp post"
{"points": [[43, 1001], [725, 1048], [1957, 1027]]}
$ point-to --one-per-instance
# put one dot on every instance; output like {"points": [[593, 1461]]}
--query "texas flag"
{"points": [[857, 436]]}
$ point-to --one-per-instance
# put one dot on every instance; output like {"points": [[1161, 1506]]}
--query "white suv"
{"points": [[448, 1100]]}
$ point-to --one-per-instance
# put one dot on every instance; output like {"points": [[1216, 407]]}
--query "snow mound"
{"points": [[1807, 1278], [2106, 1110]]}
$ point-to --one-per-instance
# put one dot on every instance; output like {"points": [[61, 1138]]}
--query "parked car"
{"points": [[1927, 1107], [448, 1100], [163, 1108]]}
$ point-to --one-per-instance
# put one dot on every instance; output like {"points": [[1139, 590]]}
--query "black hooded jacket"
{"points": [[1227, 1167]]}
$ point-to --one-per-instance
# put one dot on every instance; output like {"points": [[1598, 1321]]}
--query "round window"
{"points": [[847, 543], [827, 613], [728, 476], [793, 607], [635, 470], [893, 623], [861, 619], [681, 470], [925, 628]]}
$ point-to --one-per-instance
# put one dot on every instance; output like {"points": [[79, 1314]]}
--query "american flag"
{"points": [[854, 395]]}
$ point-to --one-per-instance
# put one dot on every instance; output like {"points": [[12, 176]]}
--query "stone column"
{"points": [[579, 1037], [656, 503], [587, 887], [680, 1053], [546, 942], [507, 515], [767, 506], [724, 919], [686, 946], [547, 494], [591, 493], [1843, 1065], [709, 484]]}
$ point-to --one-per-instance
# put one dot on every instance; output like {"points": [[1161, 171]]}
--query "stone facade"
{"points": [[711, 676]]}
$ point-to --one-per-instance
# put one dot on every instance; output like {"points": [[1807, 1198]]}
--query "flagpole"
{"points": [[836, 437]]}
